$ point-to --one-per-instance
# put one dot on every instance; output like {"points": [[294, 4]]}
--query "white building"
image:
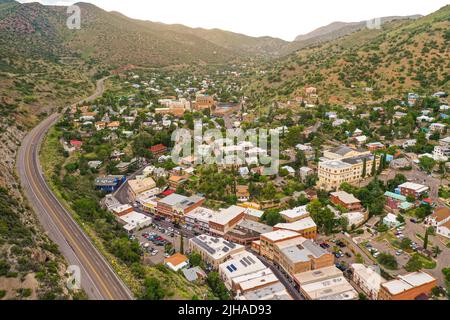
{"points": [[240, 264], [368, 279], [135, 221], [391, 220], [295, 214]]}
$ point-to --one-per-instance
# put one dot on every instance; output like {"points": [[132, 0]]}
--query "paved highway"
{"points": [[98, 279]]}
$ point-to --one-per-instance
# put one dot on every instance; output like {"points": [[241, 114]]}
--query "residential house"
{"points": [[176, 262], [412, 189]]}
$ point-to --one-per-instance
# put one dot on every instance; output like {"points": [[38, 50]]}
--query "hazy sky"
{"points": [[278, 18]]}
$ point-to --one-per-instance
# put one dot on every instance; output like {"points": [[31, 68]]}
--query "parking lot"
{"points": [[154, 239]]}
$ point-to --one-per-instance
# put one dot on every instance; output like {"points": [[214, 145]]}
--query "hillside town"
{"points": [[358, 208]]}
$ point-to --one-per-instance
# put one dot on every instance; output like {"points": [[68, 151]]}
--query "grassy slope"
{"points": [[403, 56]]}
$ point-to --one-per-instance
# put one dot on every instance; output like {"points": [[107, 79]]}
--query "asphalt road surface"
{"points": [[98, 279]]}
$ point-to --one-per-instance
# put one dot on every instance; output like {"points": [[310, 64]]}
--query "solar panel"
{"points": [[251, 259], [243, 262], [233, 267], [229, 269]]}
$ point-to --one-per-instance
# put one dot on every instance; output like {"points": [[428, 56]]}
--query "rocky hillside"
{"points": [[411, 55]]}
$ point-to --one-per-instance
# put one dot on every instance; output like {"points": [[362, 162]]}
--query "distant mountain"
{"points": [[409, 55], [40, 31], [334, 31]]}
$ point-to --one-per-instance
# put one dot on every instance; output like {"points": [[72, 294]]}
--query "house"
{"points": [[290, 170], [306, 227], [412, 189], [242, 193], [176, 262], [368, 279], [360, 140], [176, 181], [391, 221], [439, 217], [244, 172], [305, 172], [374, 146], [76, 144], [399, 163], [441, 154], [407, 287], [100, 125], [94, 164], [158, 149], [311, 91], [194, 274], [114, 125], [409, 143], [346, 200], [295, 214], [214, 251], [109, 183], [396, 201], [437, 127], [326, 283]]}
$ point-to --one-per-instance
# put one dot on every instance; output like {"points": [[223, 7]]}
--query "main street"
{"points": [[98, 279]]}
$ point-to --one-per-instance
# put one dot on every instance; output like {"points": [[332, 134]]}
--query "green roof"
{"points": [[395, 196]]}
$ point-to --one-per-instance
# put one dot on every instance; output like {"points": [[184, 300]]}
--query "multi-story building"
{"points": [[412, 189], [266, 244], [214, 251], [407, 287], [333, 173], [326, 283], [346, 200], [239, 264], [226, 220], [176, 206], [306, 227], [368, 279], [199, 218], [203, 102], [136, 187], [300, 255]]}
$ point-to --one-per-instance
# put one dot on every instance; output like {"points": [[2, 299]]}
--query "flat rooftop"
{"points": [[345, 197], [301, 250], [280, 235], [216, 248], [297, 226], [226, 215], [296, 212]]}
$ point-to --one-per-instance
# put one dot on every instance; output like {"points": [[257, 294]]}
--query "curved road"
{"points": [[98, 279]]}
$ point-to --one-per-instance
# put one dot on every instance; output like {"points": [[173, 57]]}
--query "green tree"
{"points": [[364, 172], [427, 164], [195, 259], [153, 289], [414, 264], [388, 261], [373, 172], [217, 286], [426, 239], [181, 243]]}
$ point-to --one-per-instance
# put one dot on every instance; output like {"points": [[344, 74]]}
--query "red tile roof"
{"points": [[158, 148]]}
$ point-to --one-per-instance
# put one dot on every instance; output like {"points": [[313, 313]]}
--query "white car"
{"points": [[155, 252]]}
